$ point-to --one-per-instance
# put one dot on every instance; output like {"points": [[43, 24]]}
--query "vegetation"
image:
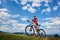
{"points": [[56, 35], [4, 36]]}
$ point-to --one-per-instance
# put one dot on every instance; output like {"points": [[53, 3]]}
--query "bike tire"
{"points": [[44, 33], [27, 32]]}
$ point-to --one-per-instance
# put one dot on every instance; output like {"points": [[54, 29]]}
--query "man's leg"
{"points": [[36, 27]]}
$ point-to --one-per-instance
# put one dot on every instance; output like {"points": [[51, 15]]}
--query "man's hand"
{"points": [[27, 20]]}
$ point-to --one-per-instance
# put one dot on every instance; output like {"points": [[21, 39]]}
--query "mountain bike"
{"points": [[41, 32]]}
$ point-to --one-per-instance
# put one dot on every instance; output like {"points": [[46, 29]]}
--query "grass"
{"points": [[24, 37]]}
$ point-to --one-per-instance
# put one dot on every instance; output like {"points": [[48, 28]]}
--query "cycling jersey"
{"points": [[35, 21]]}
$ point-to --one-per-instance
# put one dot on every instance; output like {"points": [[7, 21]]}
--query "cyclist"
{"points": [[35, 22]]}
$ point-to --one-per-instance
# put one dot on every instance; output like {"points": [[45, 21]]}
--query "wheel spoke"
{"points": [[42, 33], [29, 30]]}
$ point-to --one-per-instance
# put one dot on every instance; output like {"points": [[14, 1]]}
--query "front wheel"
{"points": [[29, 30], [42, 33]]}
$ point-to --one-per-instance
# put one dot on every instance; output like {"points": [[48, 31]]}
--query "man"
{"points": [[35, 22]]}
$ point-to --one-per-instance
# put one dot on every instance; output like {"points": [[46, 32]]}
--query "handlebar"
{"points": [[29, 21], [32, 22]]}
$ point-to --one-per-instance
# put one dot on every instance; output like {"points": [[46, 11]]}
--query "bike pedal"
{"points": [[38, 30]]}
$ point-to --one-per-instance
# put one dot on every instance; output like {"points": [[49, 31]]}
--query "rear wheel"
{"points": [[29, 30], [41, 33]]}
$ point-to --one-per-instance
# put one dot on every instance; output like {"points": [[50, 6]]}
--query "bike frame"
{"points": [[32, 26]]}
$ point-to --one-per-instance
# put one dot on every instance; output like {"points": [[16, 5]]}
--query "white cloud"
{"points": [[12, 21], [3, 14], [28, 5], [44, 10], [24, 18], [53, 31], [46, 1], [55, 7], [6, 18], [29, 8], [46, 4], [3, 9], [14, 24], [36, 4], [59, 3], [3, 22], [17, 15], [4, 28], [0, 2], [56, 31], [25, 7], [32, 10], [38, 1], [6, 22], [48, 9], [18, 27], [47, 24], [52, 22], [23, 2]]}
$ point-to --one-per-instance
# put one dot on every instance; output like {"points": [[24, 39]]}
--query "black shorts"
{"points": [[37, 24]]}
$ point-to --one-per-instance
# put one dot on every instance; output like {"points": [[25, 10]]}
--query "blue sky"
{"points": [[14, 13]]}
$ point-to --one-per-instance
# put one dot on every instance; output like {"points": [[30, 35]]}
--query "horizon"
{"points": [[25, 33]]}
